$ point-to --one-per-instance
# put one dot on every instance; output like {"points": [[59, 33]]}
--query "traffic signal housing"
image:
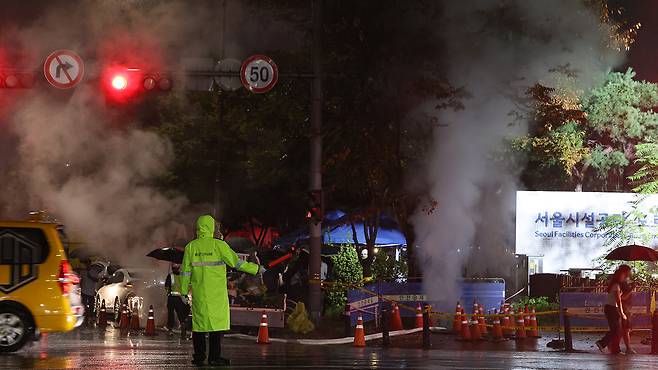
{"points": [[124, 84], [16, 79], [315, 212]]}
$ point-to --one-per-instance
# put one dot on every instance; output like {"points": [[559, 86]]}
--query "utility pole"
{"points": [[315, 175], [220, 121]]}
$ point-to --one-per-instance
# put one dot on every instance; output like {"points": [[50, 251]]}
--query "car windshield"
{"points": [[117, 277]]}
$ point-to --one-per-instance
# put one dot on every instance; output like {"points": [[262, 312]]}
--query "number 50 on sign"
{"points": [[259, 74]]}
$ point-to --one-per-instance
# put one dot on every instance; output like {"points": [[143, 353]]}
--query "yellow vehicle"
{"points": [[39, 292]]}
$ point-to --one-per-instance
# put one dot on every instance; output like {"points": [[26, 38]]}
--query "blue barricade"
{"points": [[586, 309]]}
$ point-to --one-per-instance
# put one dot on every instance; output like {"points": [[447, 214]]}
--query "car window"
{"points": [[20, 245], [117, 277]]}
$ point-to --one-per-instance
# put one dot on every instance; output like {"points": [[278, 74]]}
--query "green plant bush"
{"points": [[347, 271], [386, 268]]}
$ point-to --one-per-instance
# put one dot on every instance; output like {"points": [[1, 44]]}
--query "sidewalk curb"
{"points": [[345, 340]]}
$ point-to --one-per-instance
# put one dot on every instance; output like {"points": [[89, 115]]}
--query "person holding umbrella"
{"points": [[614, 310]]}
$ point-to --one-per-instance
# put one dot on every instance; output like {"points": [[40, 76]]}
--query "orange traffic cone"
{"points": [[419, 316], [457, 320], [263, 332], [497, 329], [520, 326], [482, 323], [123, 321], [396, 321], [534, 333], [466, 331], [359, 333], [507, 324], [102, 317], [134, 319], [150, 324], [526, 321], [475, 329]]}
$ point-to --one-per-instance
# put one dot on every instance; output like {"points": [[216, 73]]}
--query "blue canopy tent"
{"points": [[337, 229]]}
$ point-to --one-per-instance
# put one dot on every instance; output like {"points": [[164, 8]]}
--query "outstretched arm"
{"points": [[232, 260]]}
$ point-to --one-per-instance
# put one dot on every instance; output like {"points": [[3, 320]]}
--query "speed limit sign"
{"points": [[259, 74]]}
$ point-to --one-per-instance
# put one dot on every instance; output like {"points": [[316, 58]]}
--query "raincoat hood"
{"points": [[205, 227]]}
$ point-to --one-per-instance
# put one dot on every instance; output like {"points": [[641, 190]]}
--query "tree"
{"points": [[591, 137]]}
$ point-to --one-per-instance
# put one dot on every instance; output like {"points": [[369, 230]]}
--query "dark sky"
{"points": [[643, 55]]}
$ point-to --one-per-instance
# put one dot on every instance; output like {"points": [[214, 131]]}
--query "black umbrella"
{"points": [[173, 255]]}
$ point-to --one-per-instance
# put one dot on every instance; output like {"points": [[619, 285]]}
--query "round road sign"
{"points": [[63, 69], [259, 74]]}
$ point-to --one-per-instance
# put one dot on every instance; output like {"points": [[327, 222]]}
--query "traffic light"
{"points": [[314, 212], [122, 84], [16, 79]]}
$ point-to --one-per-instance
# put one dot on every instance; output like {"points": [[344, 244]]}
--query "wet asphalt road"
{"points": [[88, 349]]}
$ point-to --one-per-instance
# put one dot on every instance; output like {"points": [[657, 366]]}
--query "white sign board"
{"points": [[562, 227]]}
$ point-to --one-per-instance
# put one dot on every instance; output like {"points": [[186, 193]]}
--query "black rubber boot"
{"points": [[219, 362]]}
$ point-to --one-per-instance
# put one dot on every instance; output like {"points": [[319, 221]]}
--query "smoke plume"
{"points": [[494, 50], [68, 153]]}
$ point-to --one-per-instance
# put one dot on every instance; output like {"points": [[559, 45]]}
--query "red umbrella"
{"points": [[633, 253]]}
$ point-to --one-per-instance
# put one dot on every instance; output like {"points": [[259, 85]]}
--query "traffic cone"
{"points": [[497, 329], [507, 324], [263, 332], [520, 326], [534, 333], [457, 320], [482, 322], [150, 324], [466, 331], [123, 321], [134, 318], [526, 321], [359, 333], [102, 316], [475, 328], [396, 321], [419, 316]]}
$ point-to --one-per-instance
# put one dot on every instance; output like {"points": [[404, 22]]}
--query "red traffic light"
{"points": [[11, 79], [119, 82], [122, 84]]}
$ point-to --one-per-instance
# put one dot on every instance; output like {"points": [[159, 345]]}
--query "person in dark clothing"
{"points": [[175, 301], [614, 310], [627, 304]]}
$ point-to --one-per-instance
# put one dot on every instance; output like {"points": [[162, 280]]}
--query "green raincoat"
{"points": [[204, 266]]}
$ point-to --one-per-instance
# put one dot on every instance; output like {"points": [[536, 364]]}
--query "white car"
{"points": [[126, 286]]}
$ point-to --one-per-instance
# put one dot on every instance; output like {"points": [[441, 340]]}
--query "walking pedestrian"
{"points": [[627, 305], [614, 311], [204, 268]]}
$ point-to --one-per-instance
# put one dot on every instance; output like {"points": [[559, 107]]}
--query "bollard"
{"points": [[654, 333], [348, 321], [568, 341], [386, 339], [426, 327]]}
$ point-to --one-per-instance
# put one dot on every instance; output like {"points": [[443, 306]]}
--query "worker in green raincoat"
{"points": [[204, 268]]}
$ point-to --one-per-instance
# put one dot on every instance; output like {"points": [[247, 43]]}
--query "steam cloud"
{"points": [[64, 153], [495, 50]]}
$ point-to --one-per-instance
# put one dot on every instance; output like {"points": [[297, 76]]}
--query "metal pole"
{"points": [[568, 340], [220, 123], [426, 327], [386, 341], [315, 175]]}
